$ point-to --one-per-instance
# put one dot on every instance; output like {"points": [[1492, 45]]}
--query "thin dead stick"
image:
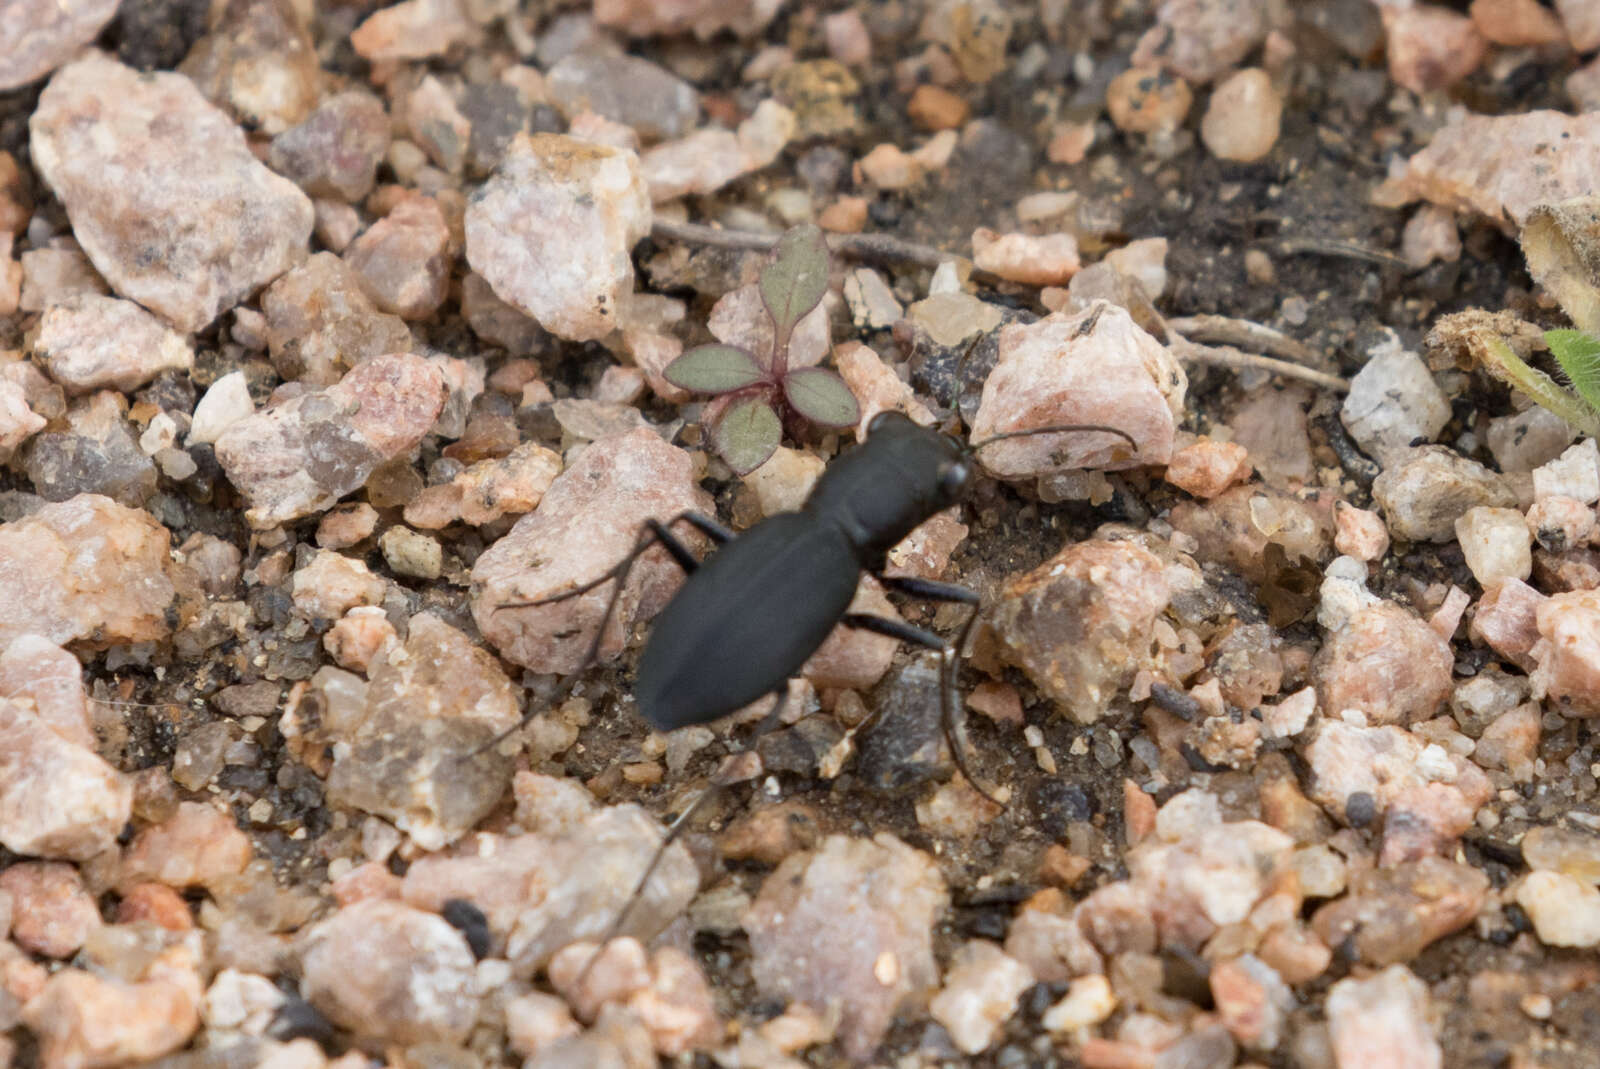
{"points": [[880, 247], [1348, 250], [1229, 357], [1225, 330]]}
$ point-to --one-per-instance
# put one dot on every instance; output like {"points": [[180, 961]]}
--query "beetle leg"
{"points": [[675, 829], [955, 728], [655, 531]]}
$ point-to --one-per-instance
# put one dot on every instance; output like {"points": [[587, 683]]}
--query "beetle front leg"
{"points": [[950, 718]]}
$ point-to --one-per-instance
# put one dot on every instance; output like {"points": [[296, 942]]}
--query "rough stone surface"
{"points": [[1424, 491], [91, 342], [389, 972], [1386, 663], [57, 799], [1430, 47], [553, 230], [403, 259], [1501, 166], [39, 35], [430, 706], [413, 29], [52, 913], [1568, 652], [321, 323], [85, 571], [650, 18], [258, 63], [1116, 376], [587, 521], [303, 455], [1383, 1022], [980, 992], [657, 104], [163, 193], [1244, 116], [37, 669], [1201, 39], [849, 926], [1078, 625], [335, 152], [97, 1022], [200, 846], [1392, 402]]}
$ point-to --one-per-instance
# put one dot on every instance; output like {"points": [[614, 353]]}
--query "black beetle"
{"points": [[757, 608]]}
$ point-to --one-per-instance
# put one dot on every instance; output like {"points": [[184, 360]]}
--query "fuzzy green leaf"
{"points": [[747, 434], [822, 397], [795, 281], [714, 369], [1578, 353]]}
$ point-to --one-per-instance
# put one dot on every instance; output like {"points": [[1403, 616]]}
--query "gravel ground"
{"points": [[333, 336]]}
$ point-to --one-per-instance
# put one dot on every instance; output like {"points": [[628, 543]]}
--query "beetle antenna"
{"points": [[1054, 428]]}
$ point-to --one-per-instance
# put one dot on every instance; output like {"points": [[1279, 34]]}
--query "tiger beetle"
{"points": [[760, 605]]}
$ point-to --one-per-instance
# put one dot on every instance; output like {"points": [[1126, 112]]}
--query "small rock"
{"points": [[1506, 620], [1565, 912], [1501, 166], [1575, 474], [676, 1005], [321, 323], [40, 36], [1516, 23], [34, 668], [632, 91], [51, 276], [1561, 524], [1393, 401], [699, 164], [1430, 235], [403, 260], [1392, 768], [1201, 39], [244, 1001], [552, 232], [1208, 467], [1243, 118], [1050, 260], [1424, 491], [1390, 914], [198, 847], [83, 1019], [331, 584], [980, 994], [1512, 742], [1359, 533], [1496, 544], [536, 1020], [1557, 849], [847, 38], [512, 485], [337, 224], [156, 181], [1146, 100], [1431, 47], [415, 756], [933, 109], [358, 637], [412, 29], [1252, 1000], [1051, 372], [412, 554], [587, 521], [705, 18], [784, 481], [1525, 440], [1383, 1022], [57, 799], [156, 903], [85, 570], [258, 63], [91, 342], [335, 151], [848, 925], [872, 303], [1078, 624], [52, 913], [391, 973], [1088, 1001], [437, 125], [346, 525], [95, 453], [18, 422], [303, 455], [1568, 652], [225, 403]]}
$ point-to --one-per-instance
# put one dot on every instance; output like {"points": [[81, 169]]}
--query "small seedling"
{"points": [[758, 395]]}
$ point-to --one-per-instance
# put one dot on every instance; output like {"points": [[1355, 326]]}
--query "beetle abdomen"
{"points": [[745, 622]]}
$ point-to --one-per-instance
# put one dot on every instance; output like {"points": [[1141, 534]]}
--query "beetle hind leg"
{"points": [[950, 718]]}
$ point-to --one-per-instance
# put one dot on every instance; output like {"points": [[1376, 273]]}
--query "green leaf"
{"points": [[822, 397], [795, 281], [1578, 353], [714, 369], [747, 434]]}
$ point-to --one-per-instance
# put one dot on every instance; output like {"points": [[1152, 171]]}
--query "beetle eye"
{"points": [[881, 420]]}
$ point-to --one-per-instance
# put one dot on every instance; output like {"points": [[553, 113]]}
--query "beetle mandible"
{"points": [[760, 605]]}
